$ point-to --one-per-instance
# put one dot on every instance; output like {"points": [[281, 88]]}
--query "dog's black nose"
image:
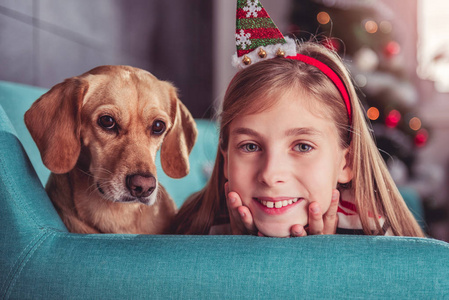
{"points": [[140, 185]]}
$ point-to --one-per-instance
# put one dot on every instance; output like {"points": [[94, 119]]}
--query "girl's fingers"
{"points": [[237, 226], [232, 203], [239, 215], [234, 200], [316, 224], [330, 218], [247, 219], [297, 231]]}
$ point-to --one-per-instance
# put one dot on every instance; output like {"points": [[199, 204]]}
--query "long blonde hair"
{"points": [[254, 89]]}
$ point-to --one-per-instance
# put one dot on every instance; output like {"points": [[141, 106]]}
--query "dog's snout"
{"points": [[140, 185]]}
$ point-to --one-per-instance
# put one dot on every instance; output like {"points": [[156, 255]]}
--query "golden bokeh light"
{"points": [[371, 26], [323, 18], [373, 113], [415, 123]]}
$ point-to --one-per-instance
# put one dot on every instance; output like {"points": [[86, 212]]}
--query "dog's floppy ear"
{"points": [[54, 123], [179, 140]]}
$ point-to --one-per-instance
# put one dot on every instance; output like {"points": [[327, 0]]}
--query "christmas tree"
{"points": [[360, 31]]}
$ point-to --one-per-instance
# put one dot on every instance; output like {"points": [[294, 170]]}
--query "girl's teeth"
{"points": [[278, 204]]}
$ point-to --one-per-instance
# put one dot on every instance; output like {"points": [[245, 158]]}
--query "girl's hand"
{"points": [[242, 220], [319, 223], [239, 215]]}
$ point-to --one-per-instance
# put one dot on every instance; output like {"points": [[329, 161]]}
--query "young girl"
{"points": [[292, 129]]}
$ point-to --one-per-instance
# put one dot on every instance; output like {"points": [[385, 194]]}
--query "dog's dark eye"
{"points": [[158, 127], [107, 122]]}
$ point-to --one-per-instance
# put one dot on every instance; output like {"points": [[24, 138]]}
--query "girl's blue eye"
{"points": [[250, 147], [303, 147]]}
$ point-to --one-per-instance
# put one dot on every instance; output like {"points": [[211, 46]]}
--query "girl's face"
{"points": [[282, 159]]}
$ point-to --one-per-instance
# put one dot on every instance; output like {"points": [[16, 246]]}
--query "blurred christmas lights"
{"points": [[421, 138], [415, 123], [371, 26], [392, 49], [323, 18], [393, 118], [373, 113]]}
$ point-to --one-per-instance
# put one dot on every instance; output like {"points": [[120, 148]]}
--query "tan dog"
{"points": [[99, 133]]}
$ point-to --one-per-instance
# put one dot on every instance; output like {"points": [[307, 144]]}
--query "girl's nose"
{"points": [[273, 170]]}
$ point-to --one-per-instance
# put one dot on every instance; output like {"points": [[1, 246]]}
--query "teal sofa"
{"points": [[40, 259]]}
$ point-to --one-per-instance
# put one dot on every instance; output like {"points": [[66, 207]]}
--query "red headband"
{"points": [[331, 75]]}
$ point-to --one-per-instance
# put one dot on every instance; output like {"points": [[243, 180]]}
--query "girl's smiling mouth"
{"points": [[277, 205]]}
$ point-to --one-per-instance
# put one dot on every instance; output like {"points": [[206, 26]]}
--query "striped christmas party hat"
{"points": [[257, 37]]}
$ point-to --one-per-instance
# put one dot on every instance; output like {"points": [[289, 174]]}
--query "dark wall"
{"points": [[42, 42]]}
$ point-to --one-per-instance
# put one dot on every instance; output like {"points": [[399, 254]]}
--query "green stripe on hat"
{"points": [[255, 23]]}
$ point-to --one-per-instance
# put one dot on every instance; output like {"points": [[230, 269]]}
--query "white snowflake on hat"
{"points": [[242, 39], [252, 8]]}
